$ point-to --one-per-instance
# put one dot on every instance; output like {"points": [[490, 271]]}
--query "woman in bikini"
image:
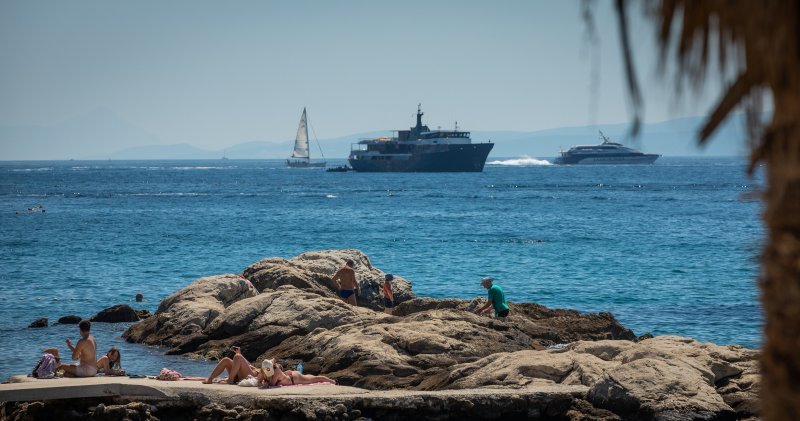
{"points": [[111, 363], [237, 366], [272, 374]]}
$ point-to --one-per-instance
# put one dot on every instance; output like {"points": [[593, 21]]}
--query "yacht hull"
{"points": [[425, 158], [608, 160]]}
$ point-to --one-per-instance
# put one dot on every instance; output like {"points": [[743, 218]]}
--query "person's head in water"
{"points": [[350, 263], [85, 327], [114, 358], [487, 282]]}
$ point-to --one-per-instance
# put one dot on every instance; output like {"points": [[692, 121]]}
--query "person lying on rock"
{"points": [[111, 363], [236, 365], [272, 374], [85, 351], [345, 278], [497, 300]]}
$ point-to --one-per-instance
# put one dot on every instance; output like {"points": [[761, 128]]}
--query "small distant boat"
{"points": [[607, 152], [300, 157], [341, 168]]}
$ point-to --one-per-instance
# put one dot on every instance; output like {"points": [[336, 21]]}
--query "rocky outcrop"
{"points": [[38, 323], [70, 320], [120, 313], [287, 309], [191, 309], [313, 272], [665, 377]]}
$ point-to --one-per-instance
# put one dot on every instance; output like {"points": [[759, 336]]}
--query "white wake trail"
{"points": [[523, 161]]}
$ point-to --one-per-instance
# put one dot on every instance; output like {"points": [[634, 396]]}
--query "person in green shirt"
{"points": [[497, 299]]}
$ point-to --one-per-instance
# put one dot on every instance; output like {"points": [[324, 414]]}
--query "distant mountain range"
{"points": [[109, 136]]}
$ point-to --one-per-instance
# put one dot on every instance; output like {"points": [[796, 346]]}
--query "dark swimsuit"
{"points": [[346, 293]]}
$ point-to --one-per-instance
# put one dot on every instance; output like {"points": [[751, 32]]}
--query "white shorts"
{"points": [[85, 370]]}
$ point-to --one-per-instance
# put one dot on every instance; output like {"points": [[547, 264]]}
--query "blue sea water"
{"points": [[670, 248]]}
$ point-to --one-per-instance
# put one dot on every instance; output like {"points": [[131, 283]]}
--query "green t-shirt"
{"points": [[498, 299]]}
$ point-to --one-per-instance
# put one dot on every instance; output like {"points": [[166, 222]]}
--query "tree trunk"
{"points": [[780, 282]]}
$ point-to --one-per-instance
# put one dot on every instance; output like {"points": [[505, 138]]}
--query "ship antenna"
{"points": [[456, 129], [419, 116], [602, 136]]}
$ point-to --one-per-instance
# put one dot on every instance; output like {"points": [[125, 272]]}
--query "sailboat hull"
{"points": [[304, 164]]}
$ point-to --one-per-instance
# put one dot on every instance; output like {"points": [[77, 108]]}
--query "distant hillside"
{"points": [[101, 131], [109, 136]]}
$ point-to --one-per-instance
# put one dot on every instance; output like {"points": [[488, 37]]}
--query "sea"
{"points": [[671, 248]]}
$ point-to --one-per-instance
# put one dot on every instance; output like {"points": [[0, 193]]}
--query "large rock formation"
{"points": [[189, 310], [288, 309]]}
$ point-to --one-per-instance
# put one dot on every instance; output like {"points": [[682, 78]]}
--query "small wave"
{"points": [[331, 196], [523, 161], [32, 169]]}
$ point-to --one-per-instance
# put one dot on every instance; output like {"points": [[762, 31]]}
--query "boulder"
{"points": [[117, 314], [39, 323], [70, 320], [313, 272], [198, 303]]}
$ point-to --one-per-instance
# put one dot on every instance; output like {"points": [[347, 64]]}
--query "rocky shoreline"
{"points": [[288, 309]]}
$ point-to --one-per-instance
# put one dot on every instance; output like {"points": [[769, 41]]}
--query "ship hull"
{"points": [[608, 160], [426, 158]]}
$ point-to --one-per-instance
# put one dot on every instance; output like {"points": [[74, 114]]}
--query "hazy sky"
{"points": [[214, 74]]}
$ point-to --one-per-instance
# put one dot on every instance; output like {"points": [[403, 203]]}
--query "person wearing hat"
{"points": [[497, 299], [388, 296]]}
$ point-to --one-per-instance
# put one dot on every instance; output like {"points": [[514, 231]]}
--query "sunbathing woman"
{"points": [[272, 374], [237, 366], [111, 363]]}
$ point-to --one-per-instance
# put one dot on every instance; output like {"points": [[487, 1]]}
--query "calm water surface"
{"points": [[669, 248]]}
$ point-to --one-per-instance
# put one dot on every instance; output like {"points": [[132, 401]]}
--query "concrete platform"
{"points": [[29, 389]]}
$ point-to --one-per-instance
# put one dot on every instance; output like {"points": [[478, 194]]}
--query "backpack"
{"points": [[45, 368]]}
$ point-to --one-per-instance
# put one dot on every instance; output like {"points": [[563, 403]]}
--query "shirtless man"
{"points": [[85, 351], [345, 278]]}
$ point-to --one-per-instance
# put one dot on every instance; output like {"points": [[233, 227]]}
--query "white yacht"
{"points": [[607, 152]]}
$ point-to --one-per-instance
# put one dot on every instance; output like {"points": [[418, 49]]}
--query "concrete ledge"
{"points": [[29, 389]]}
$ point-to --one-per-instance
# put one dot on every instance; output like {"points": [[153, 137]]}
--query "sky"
{"points": [[214, 74]]}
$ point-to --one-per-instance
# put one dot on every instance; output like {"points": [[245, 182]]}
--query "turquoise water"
{"points": [[669, 248]]}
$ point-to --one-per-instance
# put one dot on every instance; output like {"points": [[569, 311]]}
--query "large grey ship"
{"points": [[420, 149]]}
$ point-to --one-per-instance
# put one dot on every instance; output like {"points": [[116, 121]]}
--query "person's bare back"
{"points": [[85, 351]]}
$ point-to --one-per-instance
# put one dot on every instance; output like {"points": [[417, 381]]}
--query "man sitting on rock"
{"points": [[497, 299], [345, 278], [85, 351]]}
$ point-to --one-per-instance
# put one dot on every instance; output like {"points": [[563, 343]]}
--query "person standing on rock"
{"points": [[497, 300], [85, 351], [388, 296], [345, 278]]}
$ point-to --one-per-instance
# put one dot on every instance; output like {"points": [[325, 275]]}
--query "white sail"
{"points": [[301, 140]]}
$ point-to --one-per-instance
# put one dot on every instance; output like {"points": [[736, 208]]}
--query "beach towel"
{"points": [[168, 375], [250, 381]]}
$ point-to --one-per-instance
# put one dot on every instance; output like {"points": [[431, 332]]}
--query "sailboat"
{"points": [[300, 157]]}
